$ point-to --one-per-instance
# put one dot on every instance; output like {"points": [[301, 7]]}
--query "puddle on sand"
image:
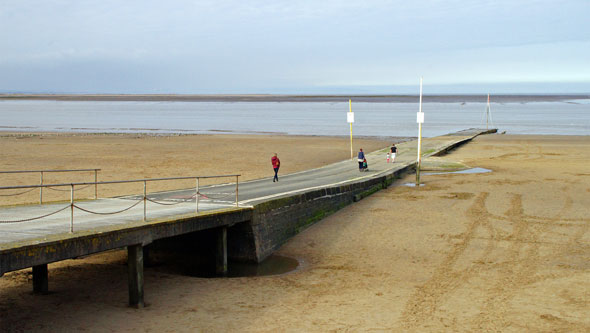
{"points": [[273, 265], [468, 171], [412, 184]]}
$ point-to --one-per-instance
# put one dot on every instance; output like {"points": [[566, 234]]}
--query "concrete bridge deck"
{"points": [[36, 243]]}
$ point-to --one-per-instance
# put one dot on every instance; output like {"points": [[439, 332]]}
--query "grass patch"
{"points": [[429, 151], [431, 164]]}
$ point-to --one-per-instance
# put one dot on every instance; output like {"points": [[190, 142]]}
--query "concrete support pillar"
{"points": [[146, 257], [135, 268], [221, 252], [40, 279]]}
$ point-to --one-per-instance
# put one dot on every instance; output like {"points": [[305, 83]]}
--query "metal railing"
{"points": [[145, 198], [41, 172]]}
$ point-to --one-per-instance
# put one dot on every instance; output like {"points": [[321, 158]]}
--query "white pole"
{"points": [[197, 195], [41, 190], [72, 208], [488, 112], [350, 110], [237, 203], [144, 201], [419, 140]]}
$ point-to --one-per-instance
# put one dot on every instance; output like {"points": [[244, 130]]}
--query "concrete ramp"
{"points": [[268, 216]]}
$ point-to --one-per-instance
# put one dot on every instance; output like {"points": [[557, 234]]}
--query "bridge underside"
{"points": [[37, 253]]}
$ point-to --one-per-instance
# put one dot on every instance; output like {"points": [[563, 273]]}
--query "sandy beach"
{"points": [[136, 156], [503, 251]]}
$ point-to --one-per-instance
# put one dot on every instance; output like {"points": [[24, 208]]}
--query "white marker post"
{"points": [[350, 120], [420, 121], [488, 113]]}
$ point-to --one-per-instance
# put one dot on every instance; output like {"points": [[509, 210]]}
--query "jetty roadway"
{"points": [[39, 242]]}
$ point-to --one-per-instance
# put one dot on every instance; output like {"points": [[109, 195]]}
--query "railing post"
{"points": [[144, 200], [41, 190], [197, 195], [237, 205], [72, 208], [95, 184]]}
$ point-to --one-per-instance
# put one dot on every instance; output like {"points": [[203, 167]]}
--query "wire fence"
{"points": [[173, 203], [66, 190], [197, 196], [43, 172], [108, 213], [35, 218], [16, 194]]}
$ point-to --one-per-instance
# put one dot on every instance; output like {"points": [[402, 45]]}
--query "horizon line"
{"points": [[58, 94]]}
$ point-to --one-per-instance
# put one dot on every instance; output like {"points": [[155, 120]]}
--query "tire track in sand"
{"points": [[428, 297], [523, 260]]}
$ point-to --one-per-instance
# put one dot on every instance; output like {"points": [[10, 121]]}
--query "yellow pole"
{"points": [[350, 110]]}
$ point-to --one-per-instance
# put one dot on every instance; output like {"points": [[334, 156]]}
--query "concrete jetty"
{"points": [[268, 215]]}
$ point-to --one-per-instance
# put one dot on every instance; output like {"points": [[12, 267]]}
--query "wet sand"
{"points": [[502, 251]]}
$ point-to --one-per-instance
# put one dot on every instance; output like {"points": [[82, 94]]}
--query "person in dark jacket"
{"points": [[393, 153], [276, 164], [361, 159]]}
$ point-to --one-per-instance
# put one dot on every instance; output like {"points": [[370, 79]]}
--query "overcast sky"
{"points": [[294, 46]]}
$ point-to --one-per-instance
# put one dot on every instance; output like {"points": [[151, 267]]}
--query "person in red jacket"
{"points": [[276, 164]]}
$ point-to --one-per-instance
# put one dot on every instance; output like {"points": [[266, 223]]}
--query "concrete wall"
{"points": [[274, 222]]}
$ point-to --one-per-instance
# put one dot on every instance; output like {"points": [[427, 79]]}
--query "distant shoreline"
{"points": [[503, 98], [25, 134]]}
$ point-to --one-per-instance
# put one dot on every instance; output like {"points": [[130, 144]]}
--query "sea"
{"points": [[320, 118]]}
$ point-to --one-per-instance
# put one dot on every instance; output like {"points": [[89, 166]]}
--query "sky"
{"points": [[294, 47]]}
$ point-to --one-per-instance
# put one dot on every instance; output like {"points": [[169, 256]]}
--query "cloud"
{"points": [[254, 44]]}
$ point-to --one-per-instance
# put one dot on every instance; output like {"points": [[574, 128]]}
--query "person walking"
{"points": [[276, 164], [361, 159], [393, 152]]}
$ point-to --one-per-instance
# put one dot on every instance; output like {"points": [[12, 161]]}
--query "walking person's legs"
{"points": [[276, 178]]}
